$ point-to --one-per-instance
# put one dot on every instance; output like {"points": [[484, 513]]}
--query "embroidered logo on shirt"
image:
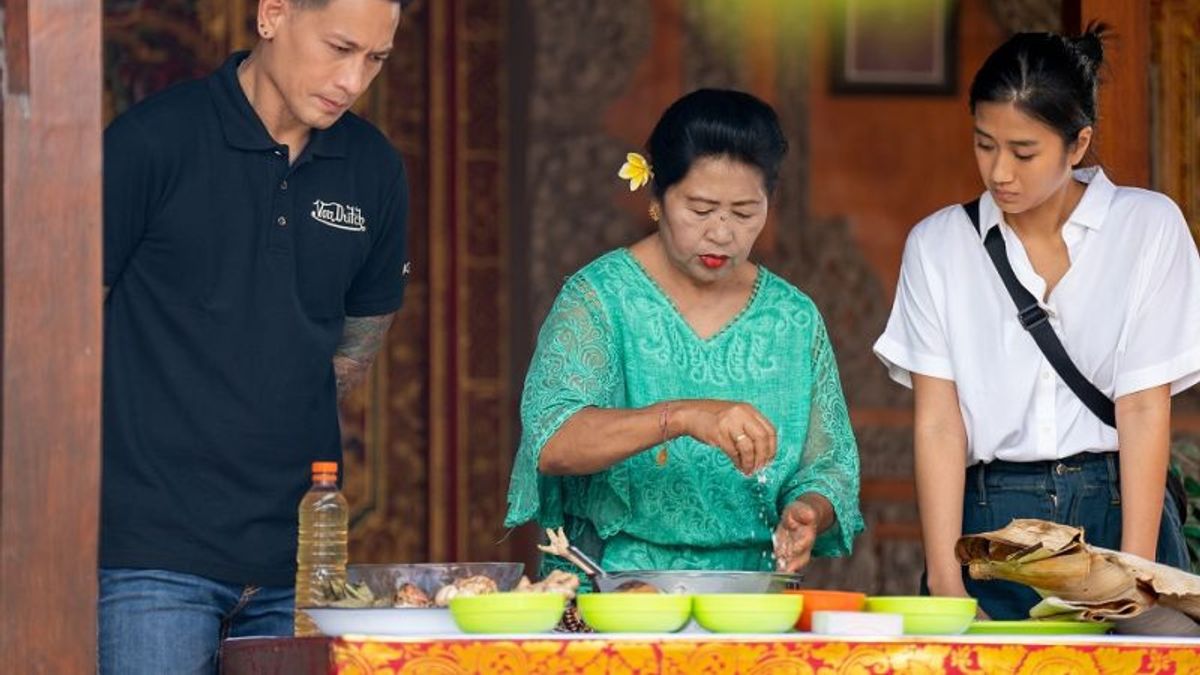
{"points": [[338, 215]]}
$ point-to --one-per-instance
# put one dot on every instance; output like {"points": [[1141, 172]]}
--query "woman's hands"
{"points": [[594, 439], [797, 531], [739, 430]]}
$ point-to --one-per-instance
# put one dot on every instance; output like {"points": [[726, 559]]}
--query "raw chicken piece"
{"points": [[409, 595], [465, 587], [558, 581]]}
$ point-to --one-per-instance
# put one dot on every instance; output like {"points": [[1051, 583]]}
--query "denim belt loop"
{"points": [[1114, 477], [981, 482]]}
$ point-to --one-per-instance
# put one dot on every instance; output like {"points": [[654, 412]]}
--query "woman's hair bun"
{"points": [[1090, 45]]}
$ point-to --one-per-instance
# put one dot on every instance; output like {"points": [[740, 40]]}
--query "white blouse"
{"points": [[1127, 311]]}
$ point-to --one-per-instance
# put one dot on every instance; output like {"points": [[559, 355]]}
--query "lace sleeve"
{"points": [[574, 366], [829, 462]]}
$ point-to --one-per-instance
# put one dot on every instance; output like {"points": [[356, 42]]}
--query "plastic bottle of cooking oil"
{"points": [[321, 554]]}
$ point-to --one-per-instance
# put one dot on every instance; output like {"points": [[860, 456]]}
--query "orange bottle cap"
{"points": [[324, 468]]}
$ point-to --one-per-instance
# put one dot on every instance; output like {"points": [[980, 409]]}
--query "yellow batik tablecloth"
{"points": [[774, 655]]}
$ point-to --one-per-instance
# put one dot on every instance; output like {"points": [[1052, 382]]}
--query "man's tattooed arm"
{"points": [[361, 339]]}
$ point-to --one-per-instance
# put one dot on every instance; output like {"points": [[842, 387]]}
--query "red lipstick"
{"points": [[713, 262]]}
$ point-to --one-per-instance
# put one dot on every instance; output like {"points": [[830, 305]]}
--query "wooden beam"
{"points": [[894, 490], [16, 54], [51, 314]]}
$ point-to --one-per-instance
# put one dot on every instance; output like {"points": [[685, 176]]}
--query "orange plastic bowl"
{"points": [[826, 601]]}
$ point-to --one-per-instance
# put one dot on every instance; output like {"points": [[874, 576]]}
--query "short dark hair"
{"points": [[318, 4], [716, 123], [1050, 77]]}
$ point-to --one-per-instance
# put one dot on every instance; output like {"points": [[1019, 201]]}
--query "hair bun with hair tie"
{"points": [[1090, 45]]}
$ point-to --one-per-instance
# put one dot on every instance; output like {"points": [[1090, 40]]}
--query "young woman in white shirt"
{"points": [[997, 433]]}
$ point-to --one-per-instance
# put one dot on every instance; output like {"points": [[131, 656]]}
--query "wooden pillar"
{"points": [[470, 426], [444, 472], [51, 315], [1123, 135]]}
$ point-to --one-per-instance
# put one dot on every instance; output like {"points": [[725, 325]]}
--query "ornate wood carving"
{"points": [[1175, 106]]}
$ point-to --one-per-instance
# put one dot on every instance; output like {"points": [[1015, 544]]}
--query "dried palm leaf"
{"points": [[1073, 577]]}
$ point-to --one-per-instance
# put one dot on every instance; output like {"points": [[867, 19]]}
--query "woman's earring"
{"points": [[655, 214], [263, 31]]}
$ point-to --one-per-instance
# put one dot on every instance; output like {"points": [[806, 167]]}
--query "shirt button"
{"points": [[283, 186], [282, 221], [1045, 376]]}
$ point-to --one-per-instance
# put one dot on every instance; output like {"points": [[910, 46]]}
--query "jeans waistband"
{"points": [[1096, 467], [1061, 466]]}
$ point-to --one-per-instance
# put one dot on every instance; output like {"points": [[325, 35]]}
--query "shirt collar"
{"points": [[1090, 212], [1092, 209], [244, 129]]}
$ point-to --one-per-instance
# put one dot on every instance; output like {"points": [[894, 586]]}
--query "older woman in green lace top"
{"points": [[683, 408]]}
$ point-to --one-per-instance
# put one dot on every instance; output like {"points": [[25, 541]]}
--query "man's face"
{"points": [[322, 59]]}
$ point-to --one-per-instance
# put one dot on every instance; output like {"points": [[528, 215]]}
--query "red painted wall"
{"points": [[885, 162]]}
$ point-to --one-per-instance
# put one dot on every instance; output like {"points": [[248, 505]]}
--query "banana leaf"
{"points": [[1074, 578]]}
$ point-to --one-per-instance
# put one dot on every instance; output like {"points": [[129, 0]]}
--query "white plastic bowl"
{"points": [[334, 621]]}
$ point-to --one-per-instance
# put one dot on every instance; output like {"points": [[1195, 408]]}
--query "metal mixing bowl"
{"points": [[697, 581], [384, 579]]}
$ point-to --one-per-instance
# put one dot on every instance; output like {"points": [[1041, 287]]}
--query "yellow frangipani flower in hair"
{"points": [[636, 170]]}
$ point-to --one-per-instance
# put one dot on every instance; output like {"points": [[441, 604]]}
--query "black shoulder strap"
{"points": [[1034, 319]]}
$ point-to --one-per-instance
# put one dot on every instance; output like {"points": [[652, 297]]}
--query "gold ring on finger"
{"points": [[739, 438]]}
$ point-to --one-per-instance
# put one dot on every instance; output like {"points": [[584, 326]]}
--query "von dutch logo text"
{"points": [[338, 215]]}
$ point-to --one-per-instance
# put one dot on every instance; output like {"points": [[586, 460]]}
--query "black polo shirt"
{"points": [[231, 274]]}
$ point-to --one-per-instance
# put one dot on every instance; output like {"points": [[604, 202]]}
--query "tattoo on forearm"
{"points": [[361, 339]]}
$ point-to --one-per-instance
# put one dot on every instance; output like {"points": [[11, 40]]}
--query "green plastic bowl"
{"points": [[924, 615], [635, 612], [508, 612], [747, 612], [1031, 627]]}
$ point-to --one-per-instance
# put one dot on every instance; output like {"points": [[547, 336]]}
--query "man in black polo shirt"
{"points": [[254, 255]]}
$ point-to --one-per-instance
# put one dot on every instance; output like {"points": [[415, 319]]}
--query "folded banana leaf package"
{"points": [[1080, 581]]}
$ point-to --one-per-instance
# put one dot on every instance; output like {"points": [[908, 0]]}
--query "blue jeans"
{"points": [[1082, 491], [157, 621]]}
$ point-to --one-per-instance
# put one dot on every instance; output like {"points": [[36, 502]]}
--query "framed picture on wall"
{"points": [[894, 47]]}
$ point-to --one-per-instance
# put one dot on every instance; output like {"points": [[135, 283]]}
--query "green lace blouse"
{"points": [[613, 339]]}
